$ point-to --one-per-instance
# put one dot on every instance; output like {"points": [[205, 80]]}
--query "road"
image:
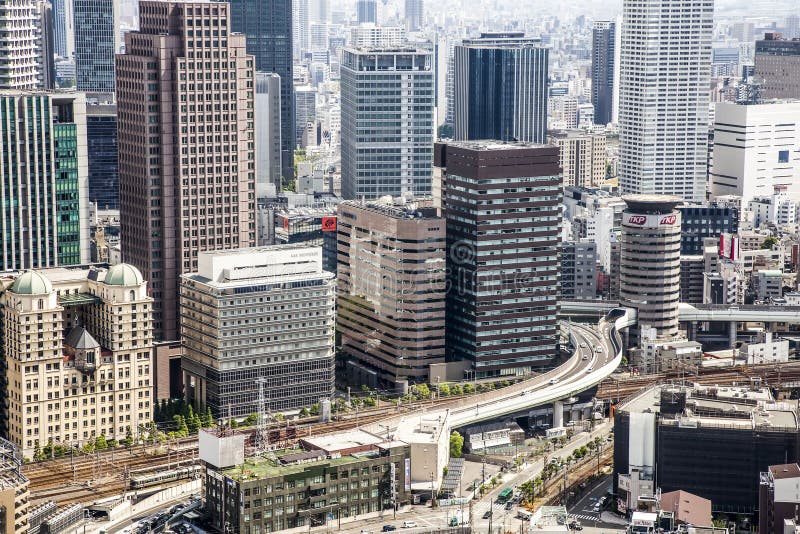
{"points": [[504, 519]]}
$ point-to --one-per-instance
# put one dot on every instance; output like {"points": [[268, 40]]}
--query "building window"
{"points": [[783, 156]]}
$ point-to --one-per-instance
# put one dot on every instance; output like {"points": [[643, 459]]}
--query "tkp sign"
{"points": [[668, 220], [637, 219]]}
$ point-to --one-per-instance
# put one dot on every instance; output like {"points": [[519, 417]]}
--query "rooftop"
{"points": [[785, 471], [651, 203], [401, 210], [489, 144], [343, 440]]}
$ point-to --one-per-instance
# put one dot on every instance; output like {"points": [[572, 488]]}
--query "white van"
{"points": [[409, 524]]}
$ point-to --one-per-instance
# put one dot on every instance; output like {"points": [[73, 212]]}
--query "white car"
{"points": [[585, 357], [599, 350], [409, 524], [589, 370], [583, 345], [554, 380]]}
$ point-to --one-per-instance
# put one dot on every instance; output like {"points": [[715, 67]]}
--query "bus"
{"points": [[505, 495]]}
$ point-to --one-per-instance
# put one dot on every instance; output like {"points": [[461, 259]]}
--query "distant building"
{"points": [[95, 44], [777, 66], [268, 133], [311, 226], [387, 122], [582, 157], [692, 278], [14, 490], [283, 304], [578, 270], [503, 268], [414, 15], [103, 150], [21, 63], [603, 52], [389, 333], [753, 149], [305, 110], [372, 36], [687, 508], [95, 334], [366, 11], [500, 85], [44, 179]]}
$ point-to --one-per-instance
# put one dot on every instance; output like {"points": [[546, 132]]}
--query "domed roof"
{"points": [[31, 283], [123, 274]]}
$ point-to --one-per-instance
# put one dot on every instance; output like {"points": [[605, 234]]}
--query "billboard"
{"points": [[329, 224], [651, 221], [408, 475], [729, 246]]}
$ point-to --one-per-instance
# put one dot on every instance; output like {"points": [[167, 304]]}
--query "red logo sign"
{"points": [[329, 224], [668, 219], [286, 223], [637, 219]]}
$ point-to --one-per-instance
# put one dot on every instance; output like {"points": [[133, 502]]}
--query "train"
{"points": [[146, 480]]}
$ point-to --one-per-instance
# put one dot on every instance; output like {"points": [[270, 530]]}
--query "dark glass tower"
{"points": [[367, 11], [94, 45], [101, 138], [268, 27], [500, 88], [603, 35]]}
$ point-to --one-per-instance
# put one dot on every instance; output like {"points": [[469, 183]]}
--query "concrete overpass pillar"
{"points": [[691, 330], [732, 334], [558, 414]]}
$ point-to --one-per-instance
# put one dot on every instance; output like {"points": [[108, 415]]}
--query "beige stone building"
{"points": [[582, 156], [77, 346]]}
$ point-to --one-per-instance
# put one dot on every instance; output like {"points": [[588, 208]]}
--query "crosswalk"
{"points": [[583, 517]]}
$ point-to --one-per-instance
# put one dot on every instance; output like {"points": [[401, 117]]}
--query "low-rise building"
{"points": [[14, 494], [493, 435], [578, 270], [352, 478], [778, 497]]}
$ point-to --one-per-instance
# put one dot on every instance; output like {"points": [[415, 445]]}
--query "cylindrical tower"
{"points": [[650, 261]]}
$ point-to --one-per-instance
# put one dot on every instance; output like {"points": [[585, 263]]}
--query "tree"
{"points": [[444, 390], [456, 390], [194, 423], [423, 391], [37, 452], [314, 410], [100, 442], [234, 423], [769, 242], [456, 445], [207, 419], [365, 388], [304, 412], [181, 429], [469, 389], [128, 441], [250, 420]]}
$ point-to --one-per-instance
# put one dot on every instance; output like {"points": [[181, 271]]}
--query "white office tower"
{"points": [[20, 45], [663, 108], [755, 150]]}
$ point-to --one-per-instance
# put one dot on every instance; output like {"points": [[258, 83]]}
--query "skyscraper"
{"points": [[500, 88], [663, 103], [268, 27], [21, 57], [94, 45], [44, 179], [268, 132], [503, 263], [603, 37], [387, 122], [60, 27], [186, 158], [101, 138], [300, 29], [366, 11], [414, 15]]}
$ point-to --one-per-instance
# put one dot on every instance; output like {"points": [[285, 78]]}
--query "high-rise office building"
{"points": [[283, 332], [371, 36], [414, 15], [663, 103], [185, 105], [47, 45], [60, 27], [268, 27], [101, 140], [650, 261], [305, 109], [268, 132], [603, 39], [43, 165], [390, 333], [792, 27], [387, 122], [95, 33], [94, 332], [503, 264], [21, 57], [777, 67], [500, 88], [366, 11]]}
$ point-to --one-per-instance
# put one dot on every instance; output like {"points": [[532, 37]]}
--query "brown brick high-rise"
{"points": [[186, 145]]}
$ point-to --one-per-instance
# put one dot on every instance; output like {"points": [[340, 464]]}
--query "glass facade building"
{"points": [[603, 36], [101, 132], [500, 88], [44, 179], [94, 45]]}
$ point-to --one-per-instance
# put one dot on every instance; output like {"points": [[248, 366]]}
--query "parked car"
{"points": [[409, 524], [487, 514], [389, 528], [509, 506]]}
